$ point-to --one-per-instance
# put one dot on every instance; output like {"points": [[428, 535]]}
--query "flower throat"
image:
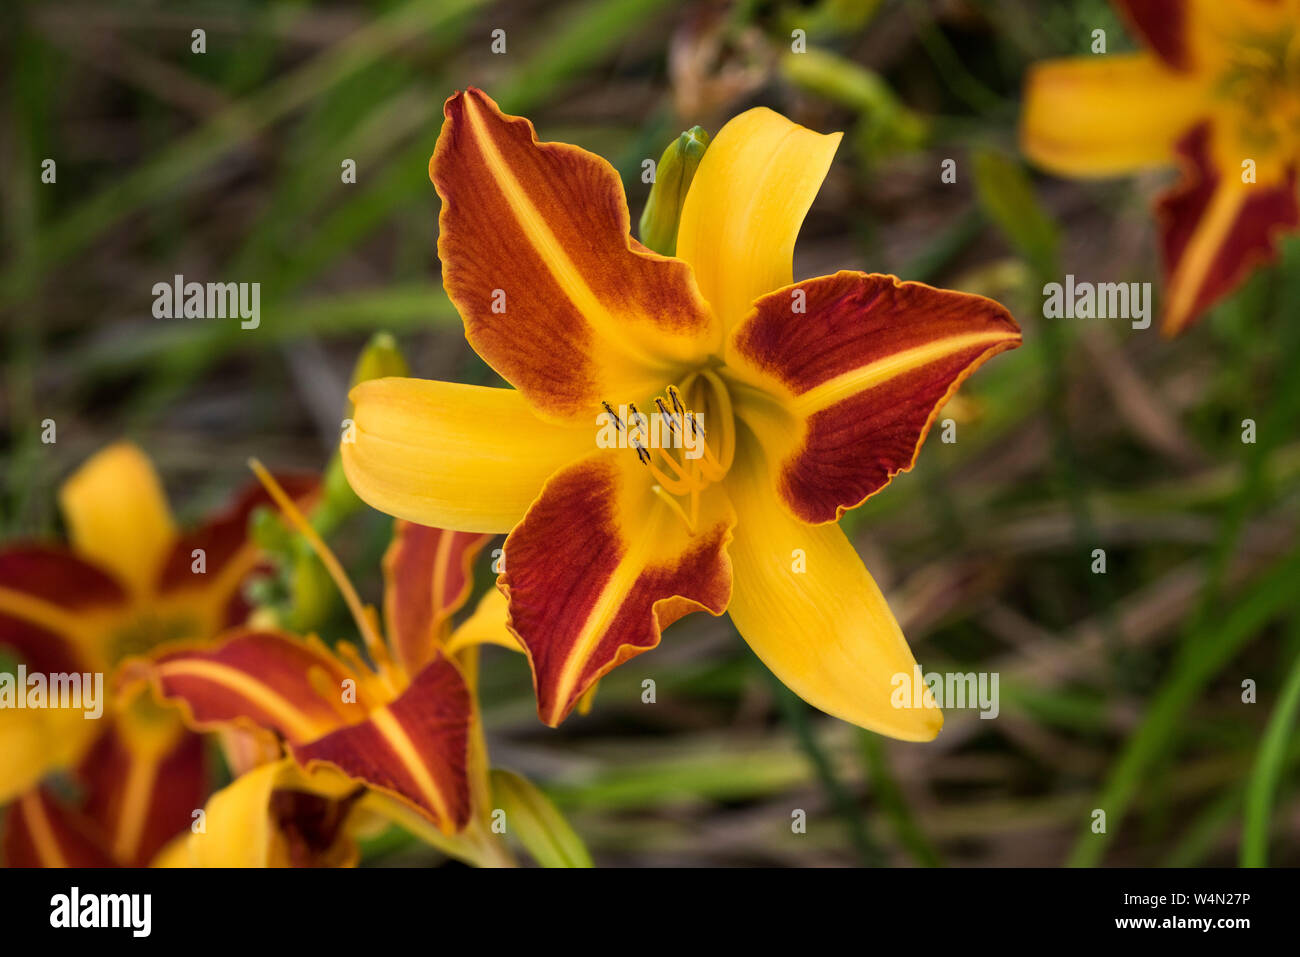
{"points": [[694, 460]]}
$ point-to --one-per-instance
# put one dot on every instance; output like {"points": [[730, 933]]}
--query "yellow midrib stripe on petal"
{"points": [[531, 221], [440, 561], [135, 808], [47, 845], [602, 613], [45, 614], [1201, 249], [881, 371], [391, 730], [269, 701]]}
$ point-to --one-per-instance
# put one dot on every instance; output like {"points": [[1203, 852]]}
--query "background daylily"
{"points": [[404, 724], [274, 815], [813, 396], [1214, 93], [130, 581]]}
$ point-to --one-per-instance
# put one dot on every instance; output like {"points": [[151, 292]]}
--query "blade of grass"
{"points": [[154, 180], [795, 713], [1198, 662], [405, 177], [890, 797], [1268, 769]]}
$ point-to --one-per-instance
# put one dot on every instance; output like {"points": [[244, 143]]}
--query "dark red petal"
{"points": [[415, 748]]}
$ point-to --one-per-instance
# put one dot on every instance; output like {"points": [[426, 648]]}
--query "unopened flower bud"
{"points": [[663, 210]]}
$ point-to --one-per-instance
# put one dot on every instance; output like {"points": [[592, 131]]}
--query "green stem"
{"points": [[796, 715], [887, 792]]}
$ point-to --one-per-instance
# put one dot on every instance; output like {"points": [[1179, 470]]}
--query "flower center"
{"points": [[1262, 82], [145, 632], [672, 443]]}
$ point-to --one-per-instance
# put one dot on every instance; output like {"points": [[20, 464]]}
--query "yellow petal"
{"points": [[825, 630], [176, 853], [746, 204], [453, 456], [117, 514], [239, 830], [487, 626], [1106, 115], [34, 742]]}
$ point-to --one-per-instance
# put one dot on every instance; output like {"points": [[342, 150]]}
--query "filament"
{"points": [[365, 622]]}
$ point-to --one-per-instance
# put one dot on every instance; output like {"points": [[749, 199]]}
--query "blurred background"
{"points": [[1121, 691]]}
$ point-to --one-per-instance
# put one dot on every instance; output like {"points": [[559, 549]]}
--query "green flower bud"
{"points": [[673, 175], [380, 358], [313, 594], [268, 532]]}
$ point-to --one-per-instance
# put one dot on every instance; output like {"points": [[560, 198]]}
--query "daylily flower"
{"points": [[403, 724], [274, 815], [1217, 92], [140, 782], [130, 581], [813, 395]]}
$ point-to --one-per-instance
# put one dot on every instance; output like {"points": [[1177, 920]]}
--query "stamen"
{"points": [[351, 656], [677, 402], [681, 474], [323, 683], [668, 417], [614, 415], [365, 622], [676, 486]]}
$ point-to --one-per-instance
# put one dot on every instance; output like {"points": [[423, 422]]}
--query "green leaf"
{"points": [[1007, 197], [1268, 772], [537, 823]]}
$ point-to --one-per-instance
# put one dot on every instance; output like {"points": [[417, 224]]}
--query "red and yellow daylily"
{"points": [[130, 580], [813, 395], [403, 724], [1217, 92], [274, 815]]}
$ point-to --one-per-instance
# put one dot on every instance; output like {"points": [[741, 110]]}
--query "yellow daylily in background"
{"points": [[130, 581], [1217, 92], [811, 396]]}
